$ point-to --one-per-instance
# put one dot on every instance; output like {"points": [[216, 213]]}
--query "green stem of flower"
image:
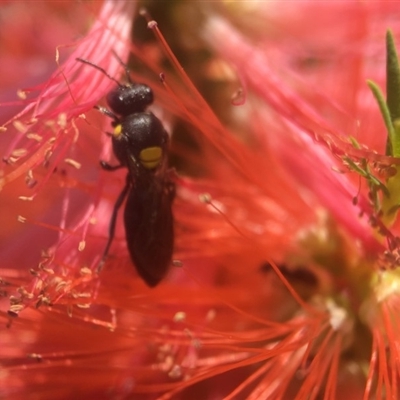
{"points": [[390, 108], [392, 145]]}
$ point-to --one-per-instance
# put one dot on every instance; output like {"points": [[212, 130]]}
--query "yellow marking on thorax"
{"points": [[150, 157]]}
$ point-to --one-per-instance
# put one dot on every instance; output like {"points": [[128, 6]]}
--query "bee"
{"points": [[140, 144]]}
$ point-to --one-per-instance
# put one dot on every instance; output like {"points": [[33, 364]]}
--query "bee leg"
{"points": [[107, 112], [108, 167], [113, 222]]}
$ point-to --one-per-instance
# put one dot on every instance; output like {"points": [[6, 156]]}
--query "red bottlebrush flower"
{"points": [[285, 233]]}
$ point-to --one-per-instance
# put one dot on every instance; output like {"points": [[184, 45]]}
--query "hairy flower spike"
{"points": [[284, 283], [48, 139]]}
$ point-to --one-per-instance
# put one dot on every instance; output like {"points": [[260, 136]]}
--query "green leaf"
{"points": [[392, 78], [386, 118]]}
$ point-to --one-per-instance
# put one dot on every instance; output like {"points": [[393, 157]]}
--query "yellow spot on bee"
{"points": [[150, 157], [117, 131]]}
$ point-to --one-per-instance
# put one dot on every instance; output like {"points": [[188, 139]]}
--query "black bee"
{"points": [[140, 143]]}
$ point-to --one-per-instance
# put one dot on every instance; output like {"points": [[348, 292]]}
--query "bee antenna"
{"points": [[82, 60], [128, 76]]}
